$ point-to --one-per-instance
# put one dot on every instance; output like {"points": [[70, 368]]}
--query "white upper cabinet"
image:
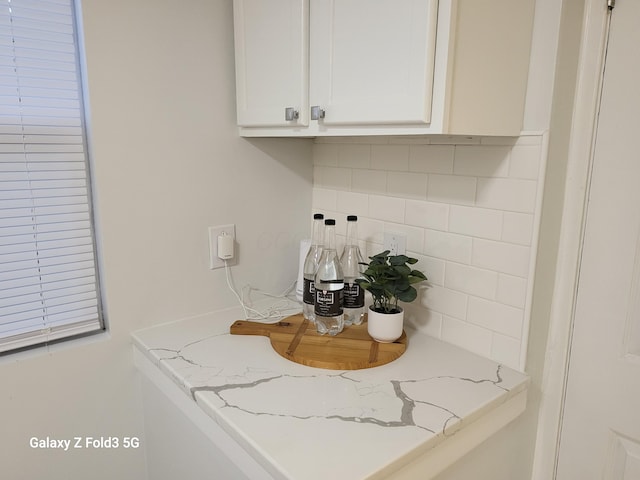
{"points": [[272, 61], [381, 67], [372, 61]]}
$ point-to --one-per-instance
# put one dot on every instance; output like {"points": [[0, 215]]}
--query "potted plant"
{"points": [[389, 279]]}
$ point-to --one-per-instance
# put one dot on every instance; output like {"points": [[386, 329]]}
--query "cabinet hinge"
{"points": [[611, 4]]}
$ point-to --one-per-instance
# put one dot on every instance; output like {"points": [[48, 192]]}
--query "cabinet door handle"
{"points": [[316, 112], [291, 114]]}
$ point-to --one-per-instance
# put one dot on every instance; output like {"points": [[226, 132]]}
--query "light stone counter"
{"points": [[407, 419]]}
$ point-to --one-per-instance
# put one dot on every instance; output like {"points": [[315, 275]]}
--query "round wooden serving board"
{"points": [[296, 339]]}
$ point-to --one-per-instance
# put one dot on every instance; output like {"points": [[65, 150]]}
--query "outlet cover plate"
{"points": [[214, 233], [395, 242]]}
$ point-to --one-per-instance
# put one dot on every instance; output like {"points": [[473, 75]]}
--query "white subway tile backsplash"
{"points": [[352, 203], [481, 161], [354, 156], [456, 190], [525, 162], [476, 222], [415, 236], [512, 290], [389, 209], [332, 177], [471, 280], [448, 246], [506, 350], [324, 198], [431, 158], [427, 214], [325, 154], [372, 248], [432, 267], [390, 157], [371, 231], [445, 301], [407, 185], [495, 316], [517, 228], [501, 257], [468, 336], [507, 194], [427, 321], [468, 206], [369, 181]]}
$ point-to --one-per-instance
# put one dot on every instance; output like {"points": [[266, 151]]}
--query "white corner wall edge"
{"points": [[586, 103], [533, 256], [417, 464]]}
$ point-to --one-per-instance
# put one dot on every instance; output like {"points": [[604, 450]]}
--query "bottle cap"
{"points": [[352, 218], [318, 216], [329, 221]]}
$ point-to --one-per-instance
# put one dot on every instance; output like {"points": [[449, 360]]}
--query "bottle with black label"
{"points": [[352, 268], [310, 267], [329, 285]]}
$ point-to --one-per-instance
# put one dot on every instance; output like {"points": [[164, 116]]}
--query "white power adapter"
{"points": [[225, 246]]}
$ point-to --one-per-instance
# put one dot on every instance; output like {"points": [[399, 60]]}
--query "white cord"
{"points": [[274, 312]]}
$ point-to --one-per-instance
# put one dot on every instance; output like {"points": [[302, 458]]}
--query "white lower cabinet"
{"points": [[362, 67]]}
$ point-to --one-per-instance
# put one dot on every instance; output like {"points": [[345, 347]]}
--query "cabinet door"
{"points": [[272, 61], [372, 61]]}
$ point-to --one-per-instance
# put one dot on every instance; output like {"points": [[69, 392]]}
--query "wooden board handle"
{"points": [[245, 327]]}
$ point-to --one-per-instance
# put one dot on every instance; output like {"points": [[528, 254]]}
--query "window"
{"points": [[48, 271]]}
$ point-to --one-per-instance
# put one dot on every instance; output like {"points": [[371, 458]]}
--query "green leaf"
{"points": [[408, 295], [402, 270], [381, 256], [398, 260], [419, 274], [401, 285]]}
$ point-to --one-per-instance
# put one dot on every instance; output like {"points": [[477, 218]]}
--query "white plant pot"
{"points": [[385, 327]]}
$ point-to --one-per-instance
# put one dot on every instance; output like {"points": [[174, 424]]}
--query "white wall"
{"points": [[167, 163]]}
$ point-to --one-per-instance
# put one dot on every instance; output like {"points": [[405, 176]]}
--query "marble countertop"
{"points": [[305, 423]]}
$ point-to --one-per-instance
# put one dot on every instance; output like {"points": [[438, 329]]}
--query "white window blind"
{"points": [[48, 275]]}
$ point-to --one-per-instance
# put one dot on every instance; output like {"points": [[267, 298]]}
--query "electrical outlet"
{"points": [[396, 243], [214, 233]]}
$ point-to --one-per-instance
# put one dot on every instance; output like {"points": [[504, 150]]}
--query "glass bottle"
{"points": [[310, 267], [351, 261], [329, 285]]}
